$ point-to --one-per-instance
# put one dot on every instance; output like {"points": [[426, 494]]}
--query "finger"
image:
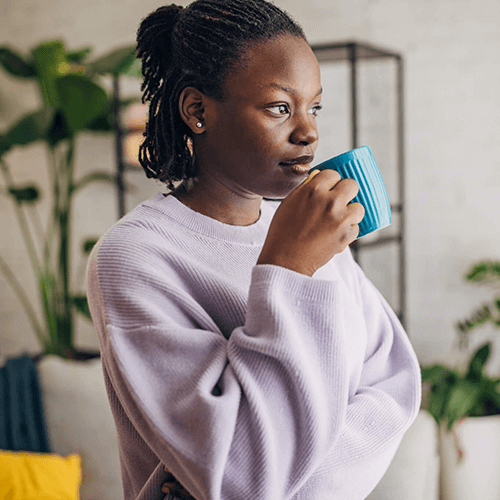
{"points": [[345, 190], [176, 491], [325, 179], [357, 210], [355, 228]]}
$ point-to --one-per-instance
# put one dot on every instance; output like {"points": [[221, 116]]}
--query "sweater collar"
{"points": [[178, 212]]}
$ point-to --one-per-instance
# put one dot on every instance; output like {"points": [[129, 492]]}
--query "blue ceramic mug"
{"points": [[360, 165]]}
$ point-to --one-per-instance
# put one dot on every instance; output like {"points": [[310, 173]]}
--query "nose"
{"points": [[305, 131]]}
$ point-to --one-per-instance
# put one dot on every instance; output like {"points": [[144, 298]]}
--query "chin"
{"points": [[282, 191]]}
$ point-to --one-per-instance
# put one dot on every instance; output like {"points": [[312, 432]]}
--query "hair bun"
{"points": [[154, 43]]}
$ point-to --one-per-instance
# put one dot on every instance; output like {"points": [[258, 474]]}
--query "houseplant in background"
{"points": [[466, 405], [73, 100], [483, 273]]}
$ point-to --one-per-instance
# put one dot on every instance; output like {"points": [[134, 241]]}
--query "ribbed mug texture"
{"points": [[360, 165]]}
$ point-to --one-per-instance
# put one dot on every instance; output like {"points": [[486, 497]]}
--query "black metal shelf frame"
{"points": [[352, 52]]}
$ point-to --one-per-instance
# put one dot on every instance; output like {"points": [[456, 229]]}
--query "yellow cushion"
{"points": [[39, 476]]}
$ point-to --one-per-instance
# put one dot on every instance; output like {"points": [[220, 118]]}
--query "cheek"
{"points": [[249, 139], [268, 142]]}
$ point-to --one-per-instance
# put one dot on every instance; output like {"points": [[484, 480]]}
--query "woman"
{"points": [[243, 349]]}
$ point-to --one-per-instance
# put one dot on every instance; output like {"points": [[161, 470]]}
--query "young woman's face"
{"points": [[260, 140]]}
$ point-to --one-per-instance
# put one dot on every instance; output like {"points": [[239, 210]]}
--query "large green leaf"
{"points": [[462, 398], [26, 194], [4, 145], [15, 64], [118, 62], [493, 393], [437, 401], [489, 402], [82, 100], [478, 318], [437, 374], [88, 245], [483, 271], [59, 129], [78, 56], [51, 63], [81, 305], [476, 365], [30, 128], [93, 177], [442, 379], [105, 122]]}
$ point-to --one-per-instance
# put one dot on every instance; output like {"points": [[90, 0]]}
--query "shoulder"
{"points": [[152, 224], [137, 272], [138, 246]]}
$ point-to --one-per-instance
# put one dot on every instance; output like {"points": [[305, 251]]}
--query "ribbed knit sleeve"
{"points": [[306, 397]]}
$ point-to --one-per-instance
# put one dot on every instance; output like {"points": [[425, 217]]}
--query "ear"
{"points": [[192, 109]]}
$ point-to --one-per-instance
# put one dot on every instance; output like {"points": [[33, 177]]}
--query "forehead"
{"points": [[286, 62]]}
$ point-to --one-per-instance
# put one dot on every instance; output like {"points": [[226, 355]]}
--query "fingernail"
{"points": [[166, 490]]}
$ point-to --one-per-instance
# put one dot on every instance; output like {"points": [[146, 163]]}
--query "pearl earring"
{"points": [[199, 124]]}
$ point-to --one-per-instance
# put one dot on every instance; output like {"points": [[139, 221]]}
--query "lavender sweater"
{"points": [[247, 382]]}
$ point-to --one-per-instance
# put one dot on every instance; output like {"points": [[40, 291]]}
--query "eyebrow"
{"points": [[289, 90]]}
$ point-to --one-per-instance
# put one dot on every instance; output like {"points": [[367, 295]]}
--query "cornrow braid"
{"points": [[194, 46]]}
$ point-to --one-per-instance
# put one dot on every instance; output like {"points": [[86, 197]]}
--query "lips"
{"points": [[300, 160], [299, 165]]}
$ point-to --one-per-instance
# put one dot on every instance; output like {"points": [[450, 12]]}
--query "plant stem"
{"points": [[23, 223], [65, 238], [52, 163], [36, 222], [18, 289]]}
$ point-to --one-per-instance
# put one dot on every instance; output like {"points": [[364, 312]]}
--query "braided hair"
{"points": [[194, 46]]}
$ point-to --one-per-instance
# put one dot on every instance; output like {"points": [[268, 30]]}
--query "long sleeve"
{"points": [[380, 408], [291, 387]]}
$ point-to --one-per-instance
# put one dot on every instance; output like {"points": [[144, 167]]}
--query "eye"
{"points": [[315, 110], [279, 109]]}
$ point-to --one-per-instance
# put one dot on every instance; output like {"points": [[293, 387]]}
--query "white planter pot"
{"points": [[414, 471], [78, 419], [474, 473]]}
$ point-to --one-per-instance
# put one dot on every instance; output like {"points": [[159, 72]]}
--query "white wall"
{"points": [[453, 139]]}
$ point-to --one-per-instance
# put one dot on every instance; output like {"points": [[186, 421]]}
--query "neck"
{"points": [[220, 204]]}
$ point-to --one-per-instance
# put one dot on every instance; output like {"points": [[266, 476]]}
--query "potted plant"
{"points": [[483, 273], [466, 405], [453, 395], [73, 100]]}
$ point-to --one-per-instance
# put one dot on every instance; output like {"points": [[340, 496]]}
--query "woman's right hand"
{"points": [[313, 223], [172, 487]]}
